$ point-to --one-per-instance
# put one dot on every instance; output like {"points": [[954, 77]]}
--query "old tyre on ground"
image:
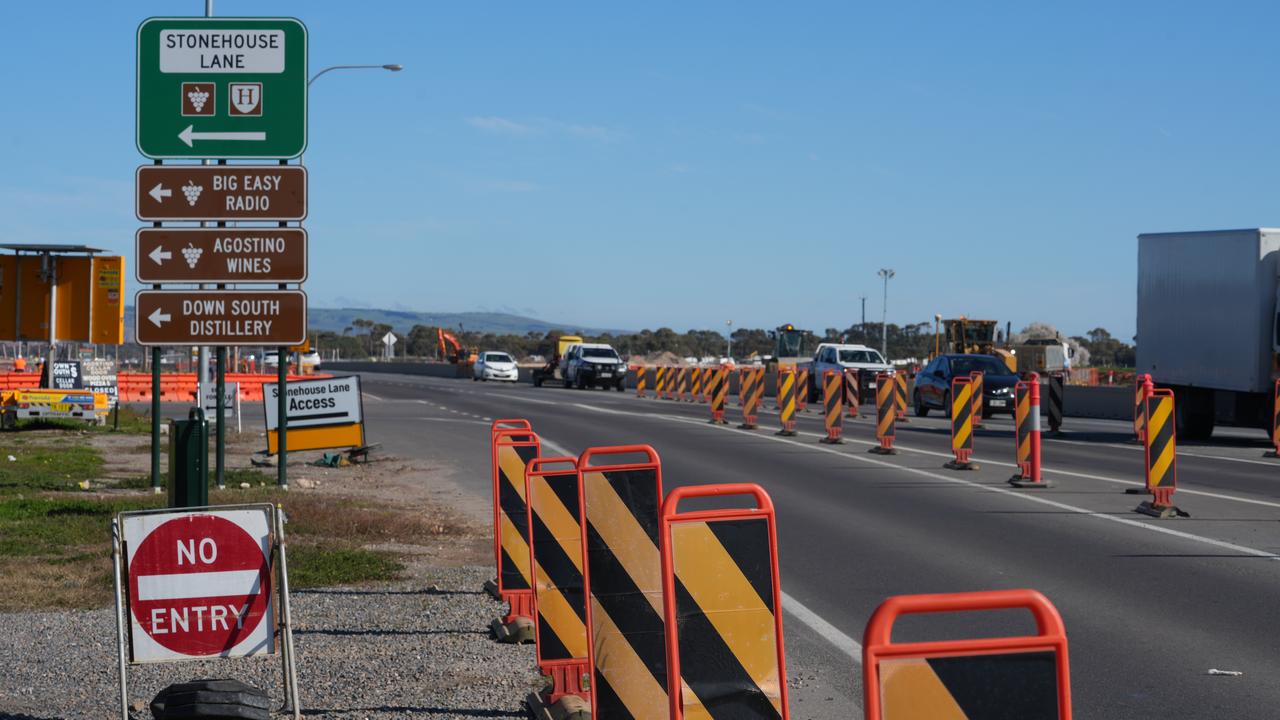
{"points": [[211, 699]]}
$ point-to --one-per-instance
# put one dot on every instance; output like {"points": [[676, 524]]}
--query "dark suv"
{"points": [[933, 383]]}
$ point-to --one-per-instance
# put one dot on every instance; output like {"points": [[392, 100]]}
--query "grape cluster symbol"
{"points": [[192, 254], [192, 191], [198, 98]]}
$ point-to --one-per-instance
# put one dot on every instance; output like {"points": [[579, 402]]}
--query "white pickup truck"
{"points": [[836, 357]]}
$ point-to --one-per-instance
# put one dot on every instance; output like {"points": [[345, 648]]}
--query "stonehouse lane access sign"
{"points": [[222, 88], [322, 413], [222, 255], [199, 584]]}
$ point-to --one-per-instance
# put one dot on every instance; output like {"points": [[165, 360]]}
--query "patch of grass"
{"points": [[49, 467], [327, 565]]}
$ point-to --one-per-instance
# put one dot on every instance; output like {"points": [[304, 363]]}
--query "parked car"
{"points": [[594, 365], [495, 366], [838, 358], [933, 383]]}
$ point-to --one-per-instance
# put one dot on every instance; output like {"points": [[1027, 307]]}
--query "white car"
{"points": [[495, 366]]}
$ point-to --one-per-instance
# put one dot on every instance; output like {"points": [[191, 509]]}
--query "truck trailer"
{"points": [[1207, 324]]}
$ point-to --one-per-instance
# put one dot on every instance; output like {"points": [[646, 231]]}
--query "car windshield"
{"points": [[600, 353], [498, 357], [984, 364], [860, 356]]}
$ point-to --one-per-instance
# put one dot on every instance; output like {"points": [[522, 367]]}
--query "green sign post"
{"points": [[222, 88]]}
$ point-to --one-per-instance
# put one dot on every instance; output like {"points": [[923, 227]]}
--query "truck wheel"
{"points": [[1195, 413], [922, 410], [946, 404], [537, 381]]}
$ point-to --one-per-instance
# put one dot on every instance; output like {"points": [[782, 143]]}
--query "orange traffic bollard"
{"points": [[886, 415], [1161, 452], [718, 389], [1026, 434], [787, 401], [978, 401], [900, 395], [833, 406], [641, 380], [961, 425], [802, 388], [852, 392], [750, 393]]}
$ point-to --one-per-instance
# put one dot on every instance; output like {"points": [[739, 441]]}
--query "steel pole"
{"points": [[884, 321], [155, 419], [221, 414], [282, 418]]}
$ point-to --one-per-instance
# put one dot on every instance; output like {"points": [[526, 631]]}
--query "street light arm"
{"points": [[393, 67]]}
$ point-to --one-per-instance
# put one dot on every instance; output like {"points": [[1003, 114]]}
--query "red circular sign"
{"points": [[199, 585]]}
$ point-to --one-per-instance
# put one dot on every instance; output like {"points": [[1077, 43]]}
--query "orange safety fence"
{"points": [[174, 387]]}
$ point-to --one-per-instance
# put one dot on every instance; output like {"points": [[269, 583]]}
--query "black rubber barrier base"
{"points": [[517, 631], [569, 707], [953, 465], [1270, 454], [748, 426], [883, 451], [491, 587], [1161, 512], [786, 433], [713, 421], [831, 441], [1135, 491], [1020, 482]]}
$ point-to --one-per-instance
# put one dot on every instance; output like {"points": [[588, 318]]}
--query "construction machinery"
{"points": [[964, 336], [788, 345], [554, 369], [451, 349]]}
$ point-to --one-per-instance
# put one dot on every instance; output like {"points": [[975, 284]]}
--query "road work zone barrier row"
{"points": [[1024, 677], [646, 609], [514, 446]]}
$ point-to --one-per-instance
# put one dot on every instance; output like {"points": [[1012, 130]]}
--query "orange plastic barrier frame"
{"points": [[670, 516], [508, 431], [878, 646]]}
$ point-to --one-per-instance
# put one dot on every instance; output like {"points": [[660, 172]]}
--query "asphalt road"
{"points": [[1150, 606]]}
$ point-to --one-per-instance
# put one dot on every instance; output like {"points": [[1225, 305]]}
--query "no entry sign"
{"points": [[199, 584]]}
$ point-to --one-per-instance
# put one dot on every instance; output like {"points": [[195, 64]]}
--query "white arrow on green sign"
{"points": [[222, 88]]}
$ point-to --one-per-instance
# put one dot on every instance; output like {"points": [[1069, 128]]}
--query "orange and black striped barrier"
{"points": [[560, 608], [642, 379], [695, 390], [708, 375], [682, 388], [1026, 434], [1142, 386], [1275, 421], [621, 503], [722, 607], [491, 586], [886, 415], [900, 395], [661, 377], [975, 413], [1056, 380], [833, 406], [787, 401], [513, 449], [852, 392], [750, 395], [719, 391], [802, 388], [1161, 451], [961, 424], [1026, 677]]}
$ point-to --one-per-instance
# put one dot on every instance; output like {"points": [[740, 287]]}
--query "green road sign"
{"points": [[222, 87]]}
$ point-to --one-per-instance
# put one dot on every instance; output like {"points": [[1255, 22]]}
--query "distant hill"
{"points": [[338, 319]]}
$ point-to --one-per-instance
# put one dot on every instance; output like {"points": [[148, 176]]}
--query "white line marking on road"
{"points": [[371, 396], [557, 447], [453, 420], [1011, 493], [824, 629], [521, 399]]}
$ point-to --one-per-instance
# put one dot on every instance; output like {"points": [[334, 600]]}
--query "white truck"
{"points": [[1208, 326]]}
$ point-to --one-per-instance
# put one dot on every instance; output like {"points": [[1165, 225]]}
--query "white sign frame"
{"points": [[347, 405], [265, 523]]}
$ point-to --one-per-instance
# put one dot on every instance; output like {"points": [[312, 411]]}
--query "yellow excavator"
{"points": [[965, 336]]}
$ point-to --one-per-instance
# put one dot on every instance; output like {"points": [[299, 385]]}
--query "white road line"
{"points": [[1013, 493], [521, 399], [453, 420], [824, 629], [557, 447], [371, 396], [1181, 453]]}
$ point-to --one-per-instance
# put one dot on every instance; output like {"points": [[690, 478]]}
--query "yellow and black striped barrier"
{"points": [[886, 415], [833, 406], [1056, 389], [975, 413], [513, 450], [723, 608], [682, 389], [555, 534], [802, 388], [961, 424], [750, 395], [1026, 434], [661, 377], [787, 401], [695, 390], [1026, 677], [642, 379], [623, 573], [719, 392], [900, 396], [1141, 386], [852, 392], [1275, 421], [1161, 451]]}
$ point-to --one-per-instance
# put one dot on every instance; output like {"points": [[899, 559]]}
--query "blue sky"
{"points": [[682, 164]]}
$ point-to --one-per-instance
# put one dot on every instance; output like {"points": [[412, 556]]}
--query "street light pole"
{"points": [[728, 350], [393, 67], [887, 274]]}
